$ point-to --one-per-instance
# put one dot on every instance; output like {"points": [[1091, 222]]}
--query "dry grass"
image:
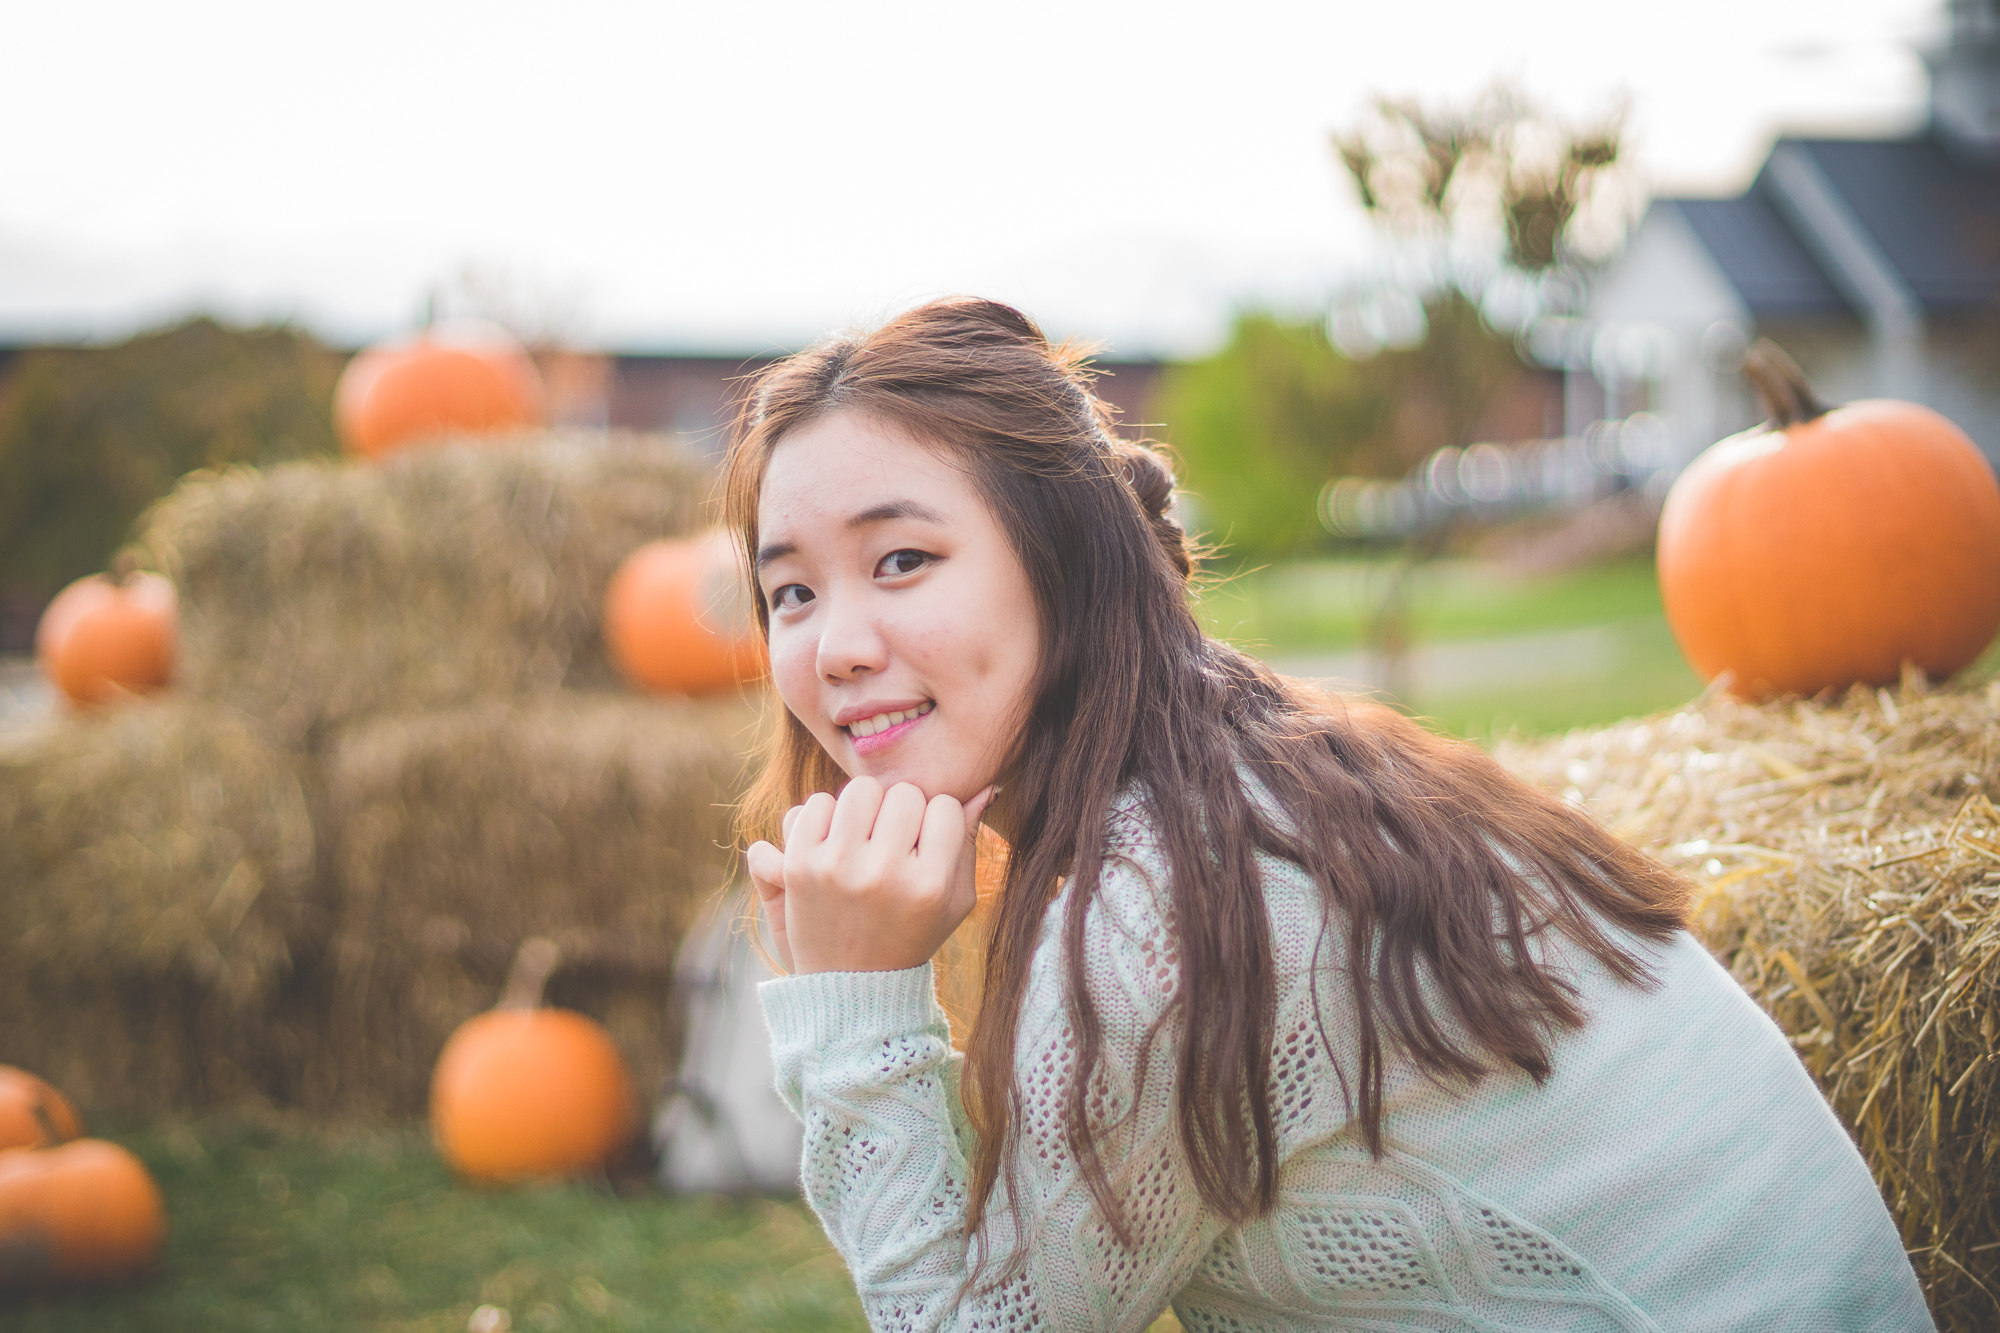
{"points": [[289, 878], [197, 918], [317, 593], [157, 876], [1847, 854], [599, 821]]}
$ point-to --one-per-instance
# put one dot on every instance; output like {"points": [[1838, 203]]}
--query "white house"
{"points": [[1875, 263]]}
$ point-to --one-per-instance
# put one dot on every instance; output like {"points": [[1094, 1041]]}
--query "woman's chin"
{"points": [[927, 780]]}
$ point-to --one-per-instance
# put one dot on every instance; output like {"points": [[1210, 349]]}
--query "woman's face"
{"points": [[904, 633]]}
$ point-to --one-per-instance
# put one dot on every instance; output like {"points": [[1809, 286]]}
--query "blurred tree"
{"points": [[1500, 164], [89, 436], [1257, 426], [1512, 181], [1264, 423]]}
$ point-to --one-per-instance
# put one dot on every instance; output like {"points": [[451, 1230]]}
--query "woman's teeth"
{"points": [[868, 726]]}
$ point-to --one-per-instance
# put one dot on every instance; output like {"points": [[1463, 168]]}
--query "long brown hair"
{"points": [[1438, 866]]}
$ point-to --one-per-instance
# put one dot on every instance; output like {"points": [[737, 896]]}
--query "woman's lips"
{"points": [[882, 740]]}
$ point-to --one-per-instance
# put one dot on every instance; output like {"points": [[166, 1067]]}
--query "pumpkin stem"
{"points": [[1787, 393], [51, 1136], [123, 566], [534, 962]]}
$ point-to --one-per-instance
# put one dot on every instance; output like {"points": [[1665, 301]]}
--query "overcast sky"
{"points": [[742, 176]]}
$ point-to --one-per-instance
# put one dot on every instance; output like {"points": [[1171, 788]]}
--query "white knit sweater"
{"points": [[1677, 1171]]}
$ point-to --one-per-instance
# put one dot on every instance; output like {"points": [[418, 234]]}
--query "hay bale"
{"points": [[157, 867], [599, 821], [1847, 858], [316, 593]]}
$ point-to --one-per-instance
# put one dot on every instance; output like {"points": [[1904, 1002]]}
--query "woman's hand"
{"points": [[872, 882]]}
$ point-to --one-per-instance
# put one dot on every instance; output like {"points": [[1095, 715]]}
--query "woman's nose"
{"points": [[850, 643]]}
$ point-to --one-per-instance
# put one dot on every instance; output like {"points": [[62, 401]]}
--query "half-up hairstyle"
{"points": [[1438, 867]]}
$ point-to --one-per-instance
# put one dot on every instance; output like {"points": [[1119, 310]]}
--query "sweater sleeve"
{"points": [[865, 1060]]}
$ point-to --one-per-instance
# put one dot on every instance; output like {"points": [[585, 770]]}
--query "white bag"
{"points": [[721, 1126]]}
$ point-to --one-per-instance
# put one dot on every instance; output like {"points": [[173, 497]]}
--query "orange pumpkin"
{"points": [[678, 617], [442, 382], [1829, 546], [33, 1114], [108, 636], [87, 1211], [522, 1092]]}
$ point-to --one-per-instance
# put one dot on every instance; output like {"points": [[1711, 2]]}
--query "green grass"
{"points": [[1647, 674], [1329, 604], [303, 1230]]}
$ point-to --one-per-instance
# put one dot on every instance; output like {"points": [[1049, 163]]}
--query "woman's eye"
{"points": [[902, 562], [791, 597]]}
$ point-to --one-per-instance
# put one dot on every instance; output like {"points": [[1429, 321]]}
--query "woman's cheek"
{"points": [[936, 643], [793, 671]]}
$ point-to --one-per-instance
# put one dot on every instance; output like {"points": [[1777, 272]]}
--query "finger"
{"points": [[766, 865], [975, 808], [899, 822], [791, 818], [775, 935], [942, 841], [854, 814], [809, 822]]}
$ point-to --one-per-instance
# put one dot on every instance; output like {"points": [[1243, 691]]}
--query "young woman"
{"points": [[1295, 1016]]}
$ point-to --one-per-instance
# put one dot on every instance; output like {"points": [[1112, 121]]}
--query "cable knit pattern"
{"points": [[1677, 1171]]}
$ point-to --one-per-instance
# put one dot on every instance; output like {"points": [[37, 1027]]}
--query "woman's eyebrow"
{"points": [[881, 513], [895, 509]]}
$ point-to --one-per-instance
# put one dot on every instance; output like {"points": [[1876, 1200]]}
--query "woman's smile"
{"points": [[877, 731]]}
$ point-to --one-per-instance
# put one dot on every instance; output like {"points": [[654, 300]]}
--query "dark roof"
{"points": [[1760, 256], [1935, 217]]}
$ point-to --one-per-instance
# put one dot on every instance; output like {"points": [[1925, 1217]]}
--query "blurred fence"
{"points": [[1491, 483]]}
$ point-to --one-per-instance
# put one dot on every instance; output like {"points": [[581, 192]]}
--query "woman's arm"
{"points": [[865, 1059]]}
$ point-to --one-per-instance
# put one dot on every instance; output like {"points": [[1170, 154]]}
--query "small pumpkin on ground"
{"points": [[678, 617], [32, 1113], [444, 381], [87, 1211], [108, 636], [1830, 545], [523, 1092]]}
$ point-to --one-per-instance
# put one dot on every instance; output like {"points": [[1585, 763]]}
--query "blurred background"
{"points": [[1312, 242], [1431, 303]]}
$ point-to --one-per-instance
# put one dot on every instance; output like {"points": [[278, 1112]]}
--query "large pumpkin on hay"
{"points": [[87, 1211], [448, 381], [108, 636], [523, 1092], [678, 618], [1829, 546], [32, 1113]]}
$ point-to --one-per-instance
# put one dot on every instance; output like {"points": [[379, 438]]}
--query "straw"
{"points": [[599, 821], [317, 593], [157, 885]]}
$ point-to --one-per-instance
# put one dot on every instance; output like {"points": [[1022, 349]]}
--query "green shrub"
{"points": [[1259, 427], [89, 436], [1264, 423]]}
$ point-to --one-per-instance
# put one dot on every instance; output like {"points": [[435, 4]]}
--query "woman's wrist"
{"points": [[862, 961]]}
